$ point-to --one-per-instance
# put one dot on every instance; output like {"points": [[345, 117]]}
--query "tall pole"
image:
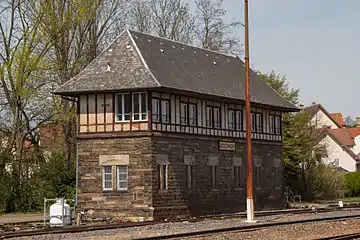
{"points": [[249, 188]]}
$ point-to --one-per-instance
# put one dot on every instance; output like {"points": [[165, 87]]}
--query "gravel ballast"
{"points": [[301, 231]]}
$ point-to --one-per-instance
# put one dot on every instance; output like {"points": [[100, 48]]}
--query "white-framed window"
{"points": [[231, 118], [217, 123], [165, 111], [140, 106], [107, 178], [278, 125], [162, 177], [209, 117], [192, 114], [155, 110], [272, 124], [235, 120], [253, 122], [184, 114], [239, 120], [256, 122], [259, 122], [237, 176], [122, 107], [122, 177]]}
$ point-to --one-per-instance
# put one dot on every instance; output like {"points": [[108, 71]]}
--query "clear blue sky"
{"points": [[314, 42]]}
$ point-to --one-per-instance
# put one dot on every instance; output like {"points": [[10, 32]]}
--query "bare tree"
{"points": [[212, 31], [172, 19], [78, 30], [22, 86]]}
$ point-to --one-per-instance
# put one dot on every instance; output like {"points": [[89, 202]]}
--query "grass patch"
{"points": [[350, 199]]}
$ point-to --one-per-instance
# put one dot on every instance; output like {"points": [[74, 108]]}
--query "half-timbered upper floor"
{"points": [[146, 83], [168, 112]]}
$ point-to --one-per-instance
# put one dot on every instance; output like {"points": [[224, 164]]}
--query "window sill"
{"points": [[127, 121], [215, 190], [238, 189], [114, 192]]}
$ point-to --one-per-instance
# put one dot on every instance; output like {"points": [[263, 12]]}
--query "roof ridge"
{"points": [[141, 57], [236, 58], [182, 43]]}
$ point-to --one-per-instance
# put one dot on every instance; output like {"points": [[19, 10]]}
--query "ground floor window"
{"points": [[122, 177], [107, 183], [162, 177], [214, 175], [190, 176], [237, 176], [257, 176]]}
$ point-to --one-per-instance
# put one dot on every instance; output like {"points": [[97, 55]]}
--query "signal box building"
{"points": [[161, 132]]}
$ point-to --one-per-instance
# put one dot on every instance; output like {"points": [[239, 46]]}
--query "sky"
{"points": [[315, 43]]}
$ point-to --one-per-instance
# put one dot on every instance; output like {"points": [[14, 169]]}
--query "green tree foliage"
{"points": [[49, 179], [302, 152], [352, 184]]}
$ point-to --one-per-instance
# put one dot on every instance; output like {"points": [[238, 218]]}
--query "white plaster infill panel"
{"points": [[162, 159], [213, 160], [237, 161], [189, 159], [113, 160]]}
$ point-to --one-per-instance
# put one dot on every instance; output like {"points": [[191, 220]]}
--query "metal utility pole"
{"points": [[249, 188]]}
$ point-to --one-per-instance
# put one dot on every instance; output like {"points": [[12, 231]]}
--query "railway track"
{"points": [[86, 228], [250, 228], [341, 237]]}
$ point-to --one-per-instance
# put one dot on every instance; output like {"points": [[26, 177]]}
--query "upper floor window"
{"points": [[213, 117], [184, 114], [278, 125], [192, 114], [160, 113], [155, 113], [188, 114], [165, 111], [256, 122], [275, 124], [140, 108], [235, 120], [123, 103], [123, 107]]}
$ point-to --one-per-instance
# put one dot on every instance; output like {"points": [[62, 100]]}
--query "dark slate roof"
{"points": [[164, 63]]}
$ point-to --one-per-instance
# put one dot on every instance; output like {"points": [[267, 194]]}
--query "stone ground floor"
{"points": [[156, 176]]}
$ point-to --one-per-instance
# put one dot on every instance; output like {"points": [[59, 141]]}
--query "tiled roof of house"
{"points": [[354, 132], [338, 117], [137, 60], [340, 136], [343, 136]]}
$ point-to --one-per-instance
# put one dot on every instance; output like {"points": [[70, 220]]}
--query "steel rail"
{"points": [[245, 227], [86, 228], [341, 237]]}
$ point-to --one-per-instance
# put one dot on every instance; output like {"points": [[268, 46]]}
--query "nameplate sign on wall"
{"points": [[227, 146]]}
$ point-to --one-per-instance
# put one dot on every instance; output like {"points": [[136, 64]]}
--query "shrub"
{"points": [[352, 184], [326, 182]]}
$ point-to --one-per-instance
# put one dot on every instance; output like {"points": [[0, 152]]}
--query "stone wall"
{"points": [[144, 154], [137, 200], [203, 199]]}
